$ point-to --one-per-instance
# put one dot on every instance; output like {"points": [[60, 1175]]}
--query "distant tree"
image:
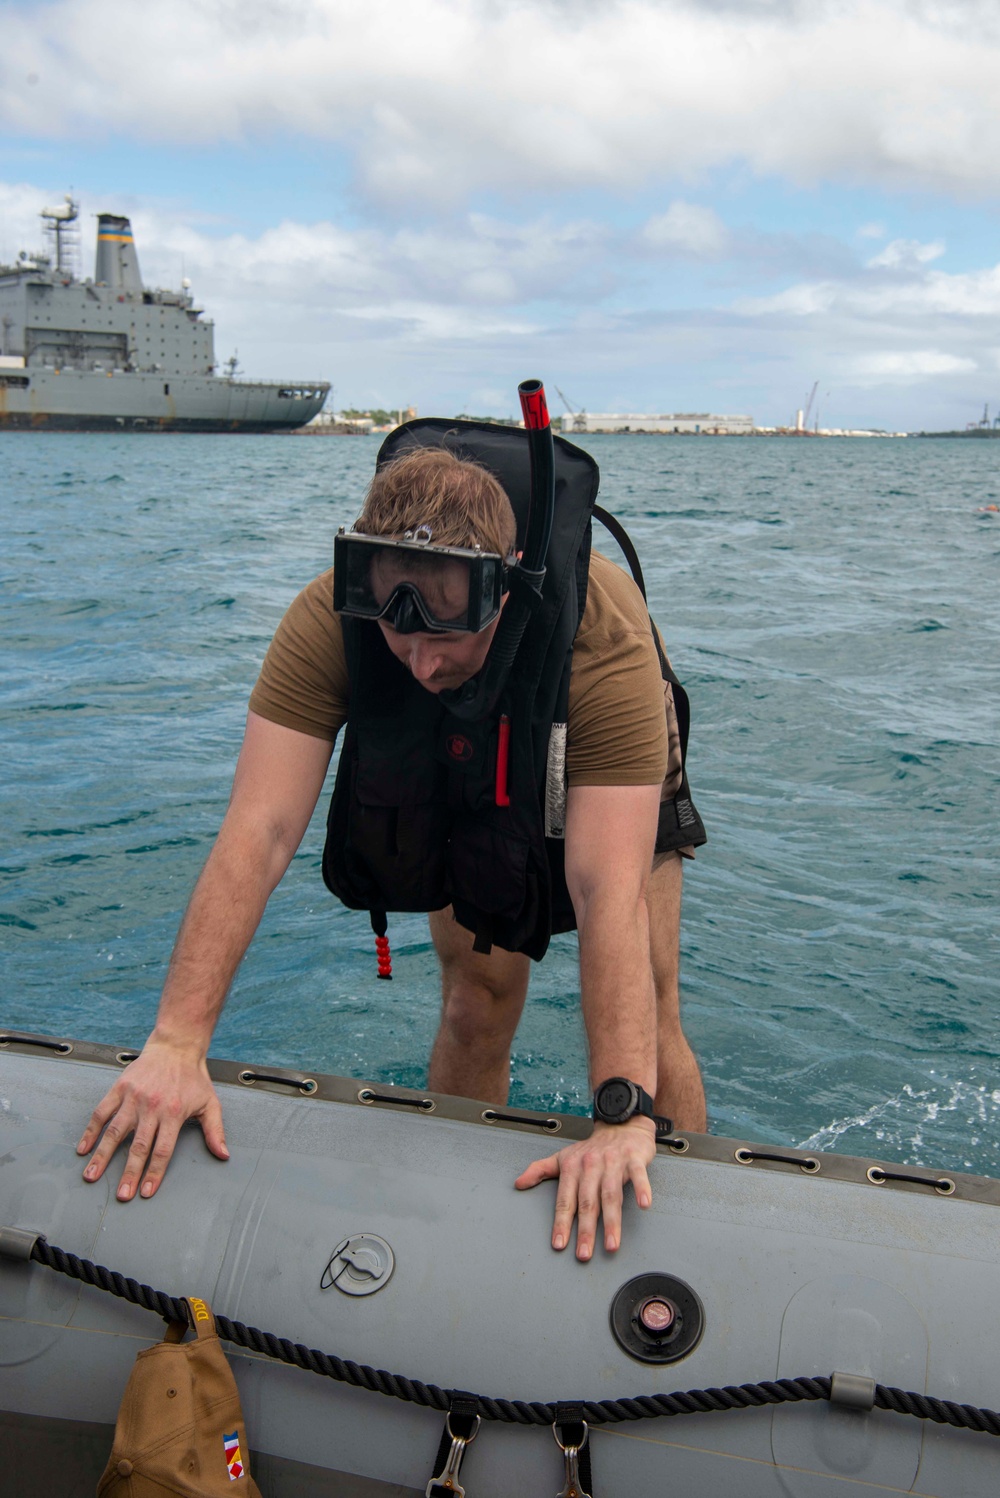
{"points": [[497, 421]]}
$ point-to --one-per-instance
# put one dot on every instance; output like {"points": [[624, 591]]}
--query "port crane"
{"points": [[984, 422], [578, 415]]}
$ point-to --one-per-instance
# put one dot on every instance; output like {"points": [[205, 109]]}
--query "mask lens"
{"points": [[444, 588]]}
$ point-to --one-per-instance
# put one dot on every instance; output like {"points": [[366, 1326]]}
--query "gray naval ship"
{"points": [[110, 354]]}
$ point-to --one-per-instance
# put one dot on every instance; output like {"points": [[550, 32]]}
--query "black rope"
{"points": [[805, 1162], [305, 1085], [492, 1116], [877, 1174], [510, 1411], [368, 1095]]}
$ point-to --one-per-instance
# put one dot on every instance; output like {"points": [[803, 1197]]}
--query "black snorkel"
{"points": [[477, 698]]}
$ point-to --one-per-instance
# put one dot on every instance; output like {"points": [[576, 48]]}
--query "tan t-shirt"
{"points": [[617, 733]]}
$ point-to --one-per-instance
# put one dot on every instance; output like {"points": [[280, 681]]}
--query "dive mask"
{"points": [[414, 585]]}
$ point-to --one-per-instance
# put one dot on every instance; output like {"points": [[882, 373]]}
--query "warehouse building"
{"points": [[682, 423]]}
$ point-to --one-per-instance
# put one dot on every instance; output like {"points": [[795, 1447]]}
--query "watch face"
{"points": [[616, 1098]]}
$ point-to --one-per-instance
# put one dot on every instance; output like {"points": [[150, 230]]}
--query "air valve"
{"points": [[657, 1318]]}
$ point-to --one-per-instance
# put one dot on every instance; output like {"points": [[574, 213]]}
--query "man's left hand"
{"points": [[592, 1174]]}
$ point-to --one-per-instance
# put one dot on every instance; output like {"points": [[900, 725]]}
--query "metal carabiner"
{"points": [[447, 1485], [571, 1456]]}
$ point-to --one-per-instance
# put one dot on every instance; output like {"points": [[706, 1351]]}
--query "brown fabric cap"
{"points": [[180, 1428]]}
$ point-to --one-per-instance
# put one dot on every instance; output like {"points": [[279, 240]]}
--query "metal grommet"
{"points": [[366, 1095], [944, 1187], [427, 1105], [125, 1058], [308, 1086], [64, 1048], [248, 1078], [744, 1156], [553, 1125], [876, 1175], [678, 1144], [489, 1115], [810, 1165]]}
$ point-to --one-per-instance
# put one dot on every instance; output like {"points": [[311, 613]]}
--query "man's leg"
{"points": [[482, 999], [679, 1091]]}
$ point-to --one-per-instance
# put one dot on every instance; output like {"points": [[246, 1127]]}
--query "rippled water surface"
{"points": [[832, 608]]}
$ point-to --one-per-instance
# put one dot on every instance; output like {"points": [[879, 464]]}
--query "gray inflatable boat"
{"points": [[735, 1345]]}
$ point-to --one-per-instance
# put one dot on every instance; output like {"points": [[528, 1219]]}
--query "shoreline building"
{"points": [[687, 423]]}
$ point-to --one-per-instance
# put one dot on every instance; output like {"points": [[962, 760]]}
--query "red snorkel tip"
{"points": [[533, 406]]}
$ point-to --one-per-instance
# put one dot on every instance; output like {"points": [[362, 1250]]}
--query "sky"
{"points": [[653, 205]]}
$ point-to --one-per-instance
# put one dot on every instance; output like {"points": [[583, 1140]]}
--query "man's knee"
{"points": [[481, 995]]}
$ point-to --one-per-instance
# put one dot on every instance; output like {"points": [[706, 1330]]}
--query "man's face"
{"points": [[440, 662]]}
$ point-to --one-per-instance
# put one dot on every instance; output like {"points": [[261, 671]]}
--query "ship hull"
{"points": [[84, 401]]}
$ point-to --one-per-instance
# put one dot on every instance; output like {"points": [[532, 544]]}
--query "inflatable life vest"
{"points": [[430, 810]]}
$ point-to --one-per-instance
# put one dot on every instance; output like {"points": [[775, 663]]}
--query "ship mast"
{"points": [[64, 236]]}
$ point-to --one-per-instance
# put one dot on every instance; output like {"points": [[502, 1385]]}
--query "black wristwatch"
{"points": [[617, 1100]]}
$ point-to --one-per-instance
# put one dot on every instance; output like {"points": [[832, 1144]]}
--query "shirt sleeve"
{"points": [[303, 681], [617, 730]]}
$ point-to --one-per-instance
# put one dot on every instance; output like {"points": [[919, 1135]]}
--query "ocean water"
{"points": [[830, 605]]}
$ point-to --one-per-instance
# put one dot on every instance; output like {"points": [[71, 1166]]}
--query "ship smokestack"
{"points": [[117, 261]]}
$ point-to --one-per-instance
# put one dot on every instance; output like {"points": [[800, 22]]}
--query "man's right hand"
{"points": [[165, 1085]]}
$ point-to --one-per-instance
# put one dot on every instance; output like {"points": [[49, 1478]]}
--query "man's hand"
{"points": [[592, 1174], [166, 1085]]}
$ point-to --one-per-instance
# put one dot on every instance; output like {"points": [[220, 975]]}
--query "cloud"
{"points": [[914, 298], [908, 252], [686, 229], [876, 369], [453, 97]]}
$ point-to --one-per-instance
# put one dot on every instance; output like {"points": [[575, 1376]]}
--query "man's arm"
{"points": [[610, 833], [278, 780]]}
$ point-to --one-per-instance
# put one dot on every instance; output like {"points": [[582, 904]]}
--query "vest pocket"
{"points": [[490, 869], [399, 855], [395, 773]]}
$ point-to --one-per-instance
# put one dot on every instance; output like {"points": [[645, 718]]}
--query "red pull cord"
{"points": [[384, 956]]}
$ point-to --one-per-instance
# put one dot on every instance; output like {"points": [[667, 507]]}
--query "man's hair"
{"points": [[460, 503]]}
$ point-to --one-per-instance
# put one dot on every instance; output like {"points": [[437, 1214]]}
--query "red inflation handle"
{"points": [[503, 760], [533, 405]]}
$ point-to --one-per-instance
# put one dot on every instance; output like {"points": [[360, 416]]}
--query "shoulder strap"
{"points": [[621, 535]]}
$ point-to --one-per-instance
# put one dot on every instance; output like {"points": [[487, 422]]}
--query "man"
{"points": [[425, 813]]}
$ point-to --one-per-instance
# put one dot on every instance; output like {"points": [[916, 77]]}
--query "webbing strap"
{"points": [[572, 1431], [461, 1421], [621, 535]]}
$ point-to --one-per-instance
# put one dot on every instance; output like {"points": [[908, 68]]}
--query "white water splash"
{"points": [[906, 1126]]}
